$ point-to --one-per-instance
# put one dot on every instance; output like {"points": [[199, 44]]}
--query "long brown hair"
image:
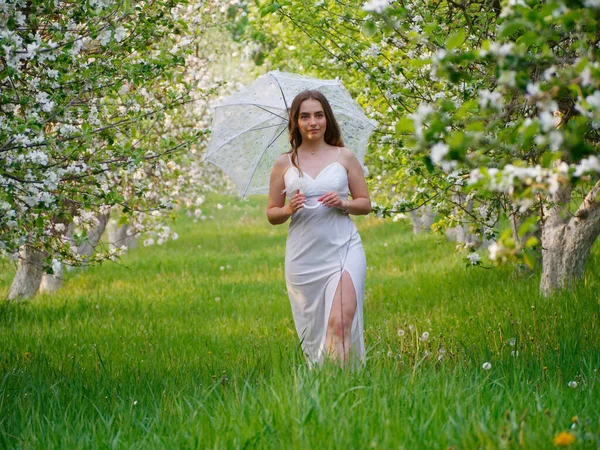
{"points": [[333, 135]]}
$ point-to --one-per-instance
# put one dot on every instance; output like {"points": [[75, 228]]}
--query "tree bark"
{"points": [[119, 237], [567, 240], [52, 282], [29, 274], [422, 219], [93, 237], [460, 233]]}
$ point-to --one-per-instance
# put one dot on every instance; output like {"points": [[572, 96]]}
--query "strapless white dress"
{"points": [[322, 243]]}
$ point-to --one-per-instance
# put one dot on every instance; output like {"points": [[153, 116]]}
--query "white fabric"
{"points": [[322, 243]]}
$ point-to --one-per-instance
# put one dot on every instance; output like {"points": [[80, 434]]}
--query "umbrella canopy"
{"points": [[249, 130]]}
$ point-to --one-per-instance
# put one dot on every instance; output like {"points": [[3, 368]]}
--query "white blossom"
{"points": [[594, 99], [533, 90], [547, 121], [494, 100], [474, 258], [438, 152], [56, 266], [494, 249], [589, 164], [377, 6], [556, 140], [120, 34], [508, 77], [104, 37]]}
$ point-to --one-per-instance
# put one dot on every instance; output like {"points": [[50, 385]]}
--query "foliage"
{"points": [[89, 92], [485, 108]]}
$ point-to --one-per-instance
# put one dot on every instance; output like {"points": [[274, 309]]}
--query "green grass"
{"points": [[166, 350]]}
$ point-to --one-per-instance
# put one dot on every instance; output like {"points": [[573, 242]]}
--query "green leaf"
{"points": [[456, 39], [269, 9], [511, 28], [369, 28], [405, 125]]}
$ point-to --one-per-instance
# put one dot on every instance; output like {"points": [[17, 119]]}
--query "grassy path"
{"points": [[192, 345]]}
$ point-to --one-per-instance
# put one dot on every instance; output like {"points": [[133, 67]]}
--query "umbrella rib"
{"points": [[264, 108], [247, 130], [271, 112], [281, 89], [261, 157]]}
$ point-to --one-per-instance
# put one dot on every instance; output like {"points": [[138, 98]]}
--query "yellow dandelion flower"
{"points": [[563, 439]]}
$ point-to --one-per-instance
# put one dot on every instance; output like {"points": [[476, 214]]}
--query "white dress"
{"points": [[322, 243]]}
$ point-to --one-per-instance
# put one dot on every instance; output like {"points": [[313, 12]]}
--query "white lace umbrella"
{"points": [[249, 130]]}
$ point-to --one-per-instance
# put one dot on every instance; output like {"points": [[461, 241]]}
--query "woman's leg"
{"points": [[339, 325]]}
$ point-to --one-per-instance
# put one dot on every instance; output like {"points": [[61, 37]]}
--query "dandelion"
{"points": [[401, 332], [514, 353], [217, 299], [390, 354], [512, 342], [219, 206], [135, 402], [573, 384], [425, 336], [411, 327], [563, 439], [486, 366], [222, 268]]}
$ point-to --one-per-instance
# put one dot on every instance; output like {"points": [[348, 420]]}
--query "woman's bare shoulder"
{"points": [[348, 156], [282, 162]]}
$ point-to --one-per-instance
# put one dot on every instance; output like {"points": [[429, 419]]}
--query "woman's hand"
{"points": [[296, 202], [332, 200]]}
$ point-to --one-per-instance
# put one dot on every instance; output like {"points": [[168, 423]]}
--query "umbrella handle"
{"points": [[313, 206]]}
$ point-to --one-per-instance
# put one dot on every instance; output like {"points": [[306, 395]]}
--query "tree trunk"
{"points": [[460, 233], [422, 219], [120, 237], [29, 274], [93, 237], [52, 282], [567, 240]]}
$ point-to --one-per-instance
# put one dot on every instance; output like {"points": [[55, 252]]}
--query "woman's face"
{"points": [[311, 120]]}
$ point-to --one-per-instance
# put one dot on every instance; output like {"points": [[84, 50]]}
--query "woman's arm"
{"points": [[277, 211], [361, 202]]}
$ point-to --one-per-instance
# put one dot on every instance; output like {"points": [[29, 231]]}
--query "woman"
{"points": [[325, 264]]}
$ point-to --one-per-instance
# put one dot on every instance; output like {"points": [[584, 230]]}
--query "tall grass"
{"points": [[192, 345]]}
